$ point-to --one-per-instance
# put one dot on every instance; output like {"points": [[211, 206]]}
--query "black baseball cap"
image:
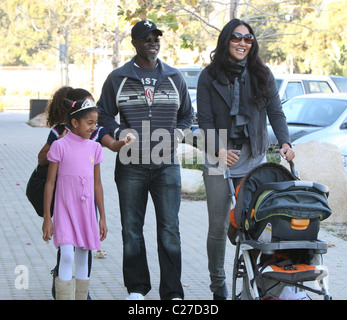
{"points": [[142, 28]]}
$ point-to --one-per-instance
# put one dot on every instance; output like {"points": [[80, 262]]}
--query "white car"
{"points": [[292, 85], [317, 117], [191, 75]]}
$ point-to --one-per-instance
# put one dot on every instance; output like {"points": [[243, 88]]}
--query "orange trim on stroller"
{"points": [[295, 268], [232, 211], [299, 224]]}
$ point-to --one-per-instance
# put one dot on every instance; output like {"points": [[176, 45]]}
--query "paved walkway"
{"points": [[26, 260]]}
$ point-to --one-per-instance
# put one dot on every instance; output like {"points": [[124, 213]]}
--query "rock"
{"points": [[39, 121], [321, 162], [192, 181], [189, 153]]}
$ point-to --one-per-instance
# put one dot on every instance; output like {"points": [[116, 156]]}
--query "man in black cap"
{"points": [[143, 28], [145, 39], [152, 100]]}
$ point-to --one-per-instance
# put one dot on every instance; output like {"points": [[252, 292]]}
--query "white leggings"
{"points": [[68, 255]]}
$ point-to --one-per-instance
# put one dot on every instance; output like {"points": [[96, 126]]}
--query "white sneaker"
{"points": [[135, 296]]}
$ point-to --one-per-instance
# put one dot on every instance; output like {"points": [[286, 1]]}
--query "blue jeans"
{"points": [[164, 184]]}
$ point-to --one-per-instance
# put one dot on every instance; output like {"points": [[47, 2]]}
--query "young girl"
{"points": [[57, 112], [76, 160], [56, 118]]}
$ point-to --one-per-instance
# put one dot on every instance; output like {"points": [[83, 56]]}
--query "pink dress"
{"points": [[74, 219]]}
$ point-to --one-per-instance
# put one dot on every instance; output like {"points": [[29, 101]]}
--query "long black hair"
{"points": [[220, 60]]}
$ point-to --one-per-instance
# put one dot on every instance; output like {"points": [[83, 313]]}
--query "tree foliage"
{"points": [[320, 48], [310, 33]]}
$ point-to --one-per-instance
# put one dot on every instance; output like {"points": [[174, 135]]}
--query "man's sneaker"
{"points": [[135, 296]]}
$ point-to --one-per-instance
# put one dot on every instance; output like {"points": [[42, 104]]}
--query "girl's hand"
{"points": [[63, 134], [47, 229], [102, 229], [129, 139]]}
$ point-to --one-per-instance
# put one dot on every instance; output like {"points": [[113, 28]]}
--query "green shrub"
{"points": [[192, 165], [273, 156]]}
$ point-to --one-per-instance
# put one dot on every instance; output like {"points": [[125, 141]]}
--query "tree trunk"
{"points": [[233, 8], [67, 55], [115, 55]]}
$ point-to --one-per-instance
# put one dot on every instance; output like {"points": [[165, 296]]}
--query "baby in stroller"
{"points": [[277, 219]]}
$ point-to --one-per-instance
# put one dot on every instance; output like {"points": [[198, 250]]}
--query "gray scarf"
{"points": [[239, 130]]}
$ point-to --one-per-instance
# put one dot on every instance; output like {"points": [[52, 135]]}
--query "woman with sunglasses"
{"points": [[236, 92]]}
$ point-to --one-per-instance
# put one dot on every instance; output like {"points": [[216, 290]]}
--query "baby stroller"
{"points": [[276, 220]]}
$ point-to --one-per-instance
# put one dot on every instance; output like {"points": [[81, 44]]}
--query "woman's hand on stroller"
{"points": [[287, 152]]}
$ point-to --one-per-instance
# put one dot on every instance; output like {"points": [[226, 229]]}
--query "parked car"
{"points": [[320, 117], [292, 85], [191, 75], [341, 82]]}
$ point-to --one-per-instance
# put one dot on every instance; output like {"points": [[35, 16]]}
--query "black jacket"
{"points": [[123, 93], [214, 103]]}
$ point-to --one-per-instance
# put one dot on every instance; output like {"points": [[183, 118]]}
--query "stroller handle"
{"points": [[284, 185], [292, 169]]}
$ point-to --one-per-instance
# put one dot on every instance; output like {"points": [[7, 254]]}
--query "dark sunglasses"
{"points": [[149, 40], [237, 37]]}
